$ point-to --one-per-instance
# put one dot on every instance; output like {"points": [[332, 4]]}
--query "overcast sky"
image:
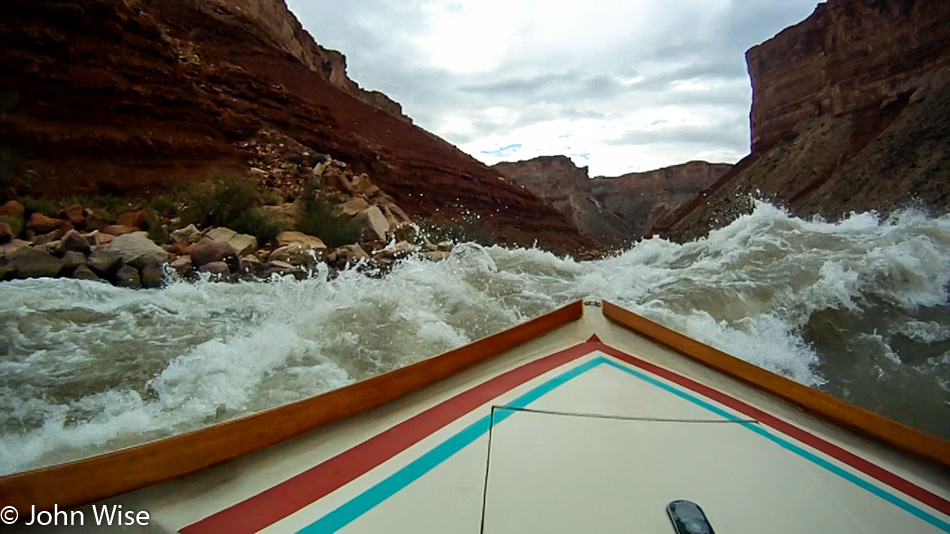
{"points": [[619, 86]]}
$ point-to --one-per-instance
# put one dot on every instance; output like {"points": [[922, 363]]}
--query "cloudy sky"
{"points": [[619, 86]]}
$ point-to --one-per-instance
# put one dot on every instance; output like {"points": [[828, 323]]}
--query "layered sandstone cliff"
{"points": [[616, 210], [846, 57], [281, 29], [131, 98], [850, 113]]}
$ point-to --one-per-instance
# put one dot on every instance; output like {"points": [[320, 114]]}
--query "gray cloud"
{"points": [[610, 69]]}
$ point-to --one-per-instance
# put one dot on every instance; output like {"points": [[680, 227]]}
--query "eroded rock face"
{"points": [[188, 82], [615, 210], [284, 30], [846, 57], [850, 113]]}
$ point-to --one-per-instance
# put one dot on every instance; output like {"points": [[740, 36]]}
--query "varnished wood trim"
{"points": [[110, 474], [813, 401]]}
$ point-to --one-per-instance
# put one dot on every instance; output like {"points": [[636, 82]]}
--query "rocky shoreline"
{"points": [[77, 242], [133, 260]]}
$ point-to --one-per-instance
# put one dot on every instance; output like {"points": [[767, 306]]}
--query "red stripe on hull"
{"points": [[288, 497], [904, 486], [280, 501]]}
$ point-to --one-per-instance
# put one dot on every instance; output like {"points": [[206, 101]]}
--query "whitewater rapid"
{"points": [[858, 308]]}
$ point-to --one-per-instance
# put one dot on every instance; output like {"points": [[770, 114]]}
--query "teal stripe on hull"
{"points": [[362, 503]]}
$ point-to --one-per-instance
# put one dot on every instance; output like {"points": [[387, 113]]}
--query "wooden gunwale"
{"points": [[99, 477], [816, 402]]}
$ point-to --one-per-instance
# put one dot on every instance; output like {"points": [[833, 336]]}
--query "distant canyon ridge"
{"points": [[851, 111], [615, 210]]}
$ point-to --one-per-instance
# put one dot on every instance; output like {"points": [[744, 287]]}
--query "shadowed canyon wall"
{"points": [[850, 112], [133, 97]]}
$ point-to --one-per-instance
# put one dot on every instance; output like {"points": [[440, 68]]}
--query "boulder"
{"points": [[396, 251], [250, 265], [178, 249], [72, 260], [350, 253], [13, 209], [83, 272], [437, 255], [30, 262], [135, 219], [8, 249], [73, 241], [281, 268], [399, 213], [219, 268], [128, 276], [189, 234], [105, 263], [334, 178], [138, 250], [354, 207], [42, 224], [373, 224], [405, 232], [97, 239], [91, 220], [361, 185], [403, 249], [288, 237], [296, 254], [152, 275], [6, 233], [220, 234], [48, 238], [182, 264], [118, 229], [48, 246], [318, 170], [241, 243], [394, 214], [285, 214], [74, 214], [208, 250]]}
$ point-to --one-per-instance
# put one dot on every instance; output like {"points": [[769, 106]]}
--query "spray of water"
{"points": [[858, 308]]}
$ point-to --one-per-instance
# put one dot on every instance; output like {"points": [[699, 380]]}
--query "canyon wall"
{"points": [[616, 210], [133, 98], [846, 57], [850, 112], [282, 30]]}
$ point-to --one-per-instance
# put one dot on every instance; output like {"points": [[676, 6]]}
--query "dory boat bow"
{"points": [[589, 418]]}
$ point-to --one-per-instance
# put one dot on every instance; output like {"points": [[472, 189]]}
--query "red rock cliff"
{"points": [[130, 98], [282, 30], [850, 112], [848, 56]]}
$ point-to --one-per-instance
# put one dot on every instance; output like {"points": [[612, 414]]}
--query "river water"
{"points": [[858, 308]]}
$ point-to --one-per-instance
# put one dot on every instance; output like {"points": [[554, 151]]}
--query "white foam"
{"points": [[88, 367]]}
